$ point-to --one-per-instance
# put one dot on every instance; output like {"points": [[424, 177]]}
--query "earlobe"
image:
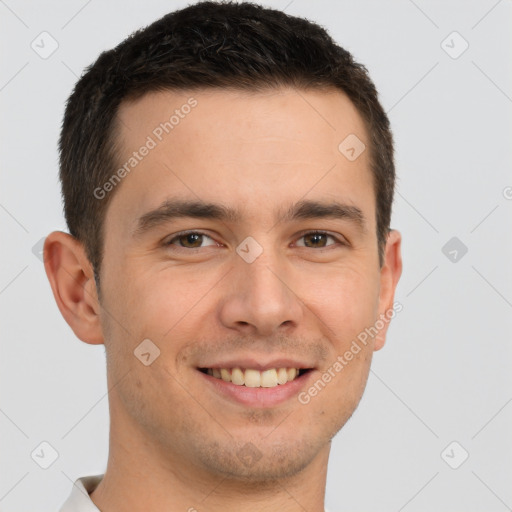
{"points": [[389, 275], [72, 280]]}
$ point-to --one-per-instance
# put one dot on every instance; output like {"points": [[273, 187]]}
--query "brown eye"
{"points": [[317, 239], [190, 240]]}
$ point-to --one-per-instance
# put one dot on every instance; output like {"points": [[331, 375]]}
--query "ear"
{"points": [[71, 277], [389, 275]]}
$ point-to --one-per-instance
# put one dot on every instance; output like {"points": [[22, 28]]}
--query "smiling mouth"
{"points": [[252, 378]]}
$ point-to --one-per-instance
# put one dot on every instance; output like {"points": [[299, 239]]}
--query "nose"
{"points": [[260, 299]]}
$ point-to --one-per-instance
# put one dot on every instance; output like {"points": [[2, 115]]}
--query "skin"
{"points": [[173, 437]]}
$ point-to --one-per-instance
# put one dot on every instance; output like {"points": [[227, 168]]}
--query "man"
{"points": [[228, 177]]}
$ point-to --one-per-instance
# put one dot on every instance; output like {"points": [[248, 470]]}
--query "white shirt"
{"points": [[79, 499]]}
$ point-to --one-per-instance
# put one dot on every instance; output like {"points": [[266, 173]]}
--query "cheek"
{"points": [[347, 305], [152, 395], [346, 300], [350, 382], [161, 303]]}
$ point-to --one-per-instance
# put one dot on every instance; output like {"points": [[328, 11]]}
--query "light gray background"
{"points": [[444, 374]]}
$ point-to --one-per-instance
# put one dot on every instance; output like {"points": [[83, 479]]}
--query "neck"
{"points": [[141, 475]]}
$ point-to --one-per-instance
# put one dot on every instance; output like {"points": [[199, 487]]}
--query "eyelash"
{"points": [[314, 232]]}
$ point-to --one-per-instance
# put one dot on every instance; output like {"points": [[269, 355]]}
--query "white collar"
{"points": [[79, 499]]}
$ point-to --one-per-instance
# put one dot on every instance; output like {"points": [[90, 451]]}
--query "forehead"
{"points": [[248, 149], [325, 115]]}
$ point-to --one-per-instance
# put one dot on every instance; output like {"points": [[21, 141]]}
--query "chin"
{"points": [[260, 463]]}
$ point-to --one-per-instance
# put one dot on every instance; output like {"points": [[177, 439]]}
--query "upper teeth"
{"points": [[254, 378]]}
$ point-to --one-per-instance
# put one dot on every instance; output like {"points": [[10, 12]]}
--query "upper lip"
{"points": [[259, 363]]}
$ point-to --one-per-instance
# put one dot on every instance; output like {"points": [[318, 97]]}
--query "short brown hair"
{"points": [[208, 44]]}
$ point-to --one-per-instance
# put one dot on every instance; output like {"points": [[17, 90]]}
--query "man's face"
{"points": [[253, 292]]}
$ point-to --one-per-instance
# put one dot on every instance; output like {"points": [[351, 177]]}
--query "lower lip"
{"points": [[259, 397]]}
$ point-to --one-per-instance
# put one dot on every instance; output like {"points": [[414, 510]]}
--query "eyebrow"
{"points": [[306, 209]]}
